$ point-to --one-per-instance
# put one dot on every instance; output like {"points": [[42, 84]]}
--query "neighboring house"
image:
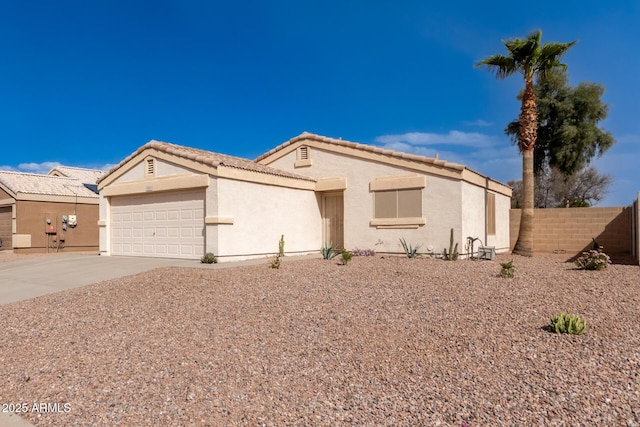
{"points": [[166, 200], [48, 213], [88, 177]]}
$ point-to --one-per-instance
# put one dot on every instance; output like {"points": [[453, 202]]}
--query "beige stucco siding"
{"points": [[135, 173], [440, 198], [261, 214], [501, 239], [474, 218]]}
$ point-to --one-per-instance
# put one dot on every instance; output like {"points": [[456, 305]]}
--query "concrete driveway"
{"points": [[31, 277], [38, 275]]}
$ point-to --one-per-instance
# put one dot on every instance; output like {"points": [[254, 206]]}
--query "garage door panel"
{"points": [[159, 225]]}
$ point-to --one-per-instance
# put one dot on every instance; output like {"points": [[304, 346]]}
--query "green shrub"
{"points": [[594, 259], [328, 252], [209, 258], [275, 262], [346, 256], [508, 270], [409, 250], [567, 323]]}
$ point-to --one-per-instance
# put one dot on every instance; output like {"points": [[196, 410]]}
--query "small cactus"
{"points": [[281, 246], [567, 323], [452, 255]]}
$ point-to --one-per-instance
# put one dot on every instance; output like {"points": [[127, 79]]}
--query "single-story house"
{"points": [[166, 200], [48, 213]]}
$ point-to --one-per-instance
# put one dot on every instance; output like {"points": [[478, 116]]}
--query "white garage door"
{"points": [[169, 225]]}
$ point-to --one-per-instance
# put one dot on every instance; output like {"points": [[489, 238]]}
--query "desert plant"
{"points": [[567, 323], [452, 255], [209, 258], [346, 256], [409, 250], [362, 252], [275, 262], [328, 251], [281, 246], [508, 270], [593, 260]]}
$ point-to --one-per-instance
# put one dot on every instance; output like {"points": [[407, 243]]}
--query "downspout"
{"points": [[486, 201]]}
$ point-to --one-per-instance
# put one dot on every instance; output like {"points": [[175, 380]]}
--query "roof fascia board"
{"points": [[155, 185], [7, 190], [465, 174], [433, 169], [150, 151], [263, 178], [57, 198], [482, 181]]}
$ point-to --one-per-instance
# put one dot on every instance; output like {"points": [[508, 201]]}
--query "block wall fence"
{"points": [[570, 230]]}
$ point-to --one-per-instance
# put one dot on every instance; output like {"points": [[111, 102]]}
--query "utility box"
{"points": [[487, 252], [50, 223]]}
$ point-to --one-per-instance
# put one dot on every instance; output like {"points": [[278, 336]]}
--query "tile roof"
{"points": [[364, 147], [86, 176], [31, 183], [209, 158]]}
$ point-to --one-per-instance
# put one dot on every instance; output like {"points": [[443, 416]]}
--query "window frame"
{"points": [[394, 188]]}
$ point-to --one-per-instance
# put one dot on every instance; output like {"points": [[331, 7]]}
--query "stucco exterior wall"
{"points": [[441, 201], [261, 214], [133, 174], [474, 218], [211, 210], [30, 221], [501, 239]]}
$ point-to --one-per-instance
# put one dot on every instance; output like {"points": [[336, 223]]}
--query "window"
{"points": [[397, 201], [303, 157], [398, 204], [491, 214]]}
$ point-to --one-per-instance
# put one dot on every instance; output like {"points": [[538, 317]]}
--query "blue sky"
{"points": [[85, 83]]}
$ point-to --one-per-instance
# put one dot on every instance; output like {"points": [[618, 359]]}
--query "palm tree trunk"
{"points": [[527, 135], [524, 244]]}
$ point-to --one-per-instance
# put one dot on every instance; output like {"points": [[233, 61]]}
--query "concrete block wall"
{"points": [[570, 230]]}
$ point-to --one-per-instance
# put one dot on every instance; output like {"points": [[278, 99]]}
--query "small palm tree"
{"points": [[531, 59]]}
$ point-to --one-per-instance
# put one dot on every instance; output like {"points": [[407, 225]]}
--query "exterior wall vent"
{"points": [[150, 167], [303, 157]]}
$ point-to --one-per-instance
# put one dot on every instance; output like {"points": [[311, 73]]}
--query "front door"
{"points": [[333, 219]]}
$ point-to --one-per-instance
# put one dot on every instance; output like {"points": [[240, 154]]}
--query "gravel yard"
{"points": [[382, 341]]}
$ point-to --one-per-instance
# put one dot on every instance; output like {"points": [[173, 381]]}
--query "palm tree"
{"points": [[531, 59]]}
